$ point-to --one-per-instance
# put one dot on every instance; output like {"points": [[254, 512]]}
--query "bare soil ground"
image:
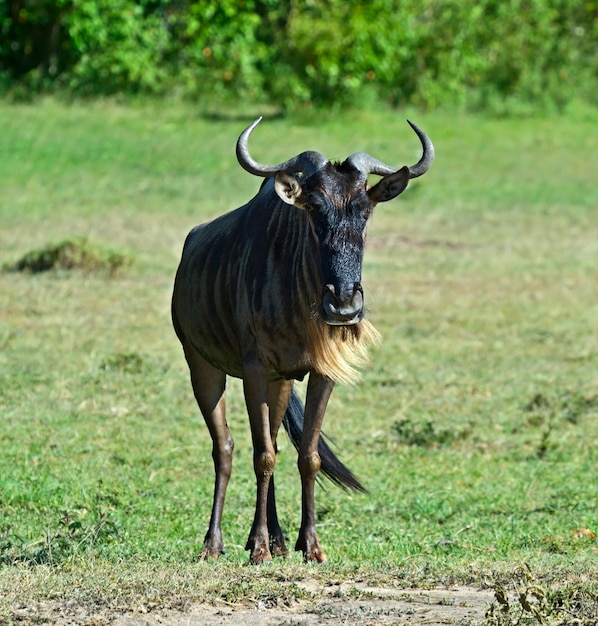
{"points": [[337, 604]]}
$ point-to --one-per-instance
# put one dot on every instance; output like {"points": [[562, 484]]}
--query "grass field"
{"points": [[475, 429]]}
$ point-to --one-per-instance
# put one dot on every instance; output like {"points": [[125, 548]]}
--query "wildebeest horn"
{"points": [[306, 162], [369, 165]]}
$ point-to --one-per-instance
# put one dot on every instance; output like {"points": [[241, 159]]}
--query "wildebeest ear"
{"points": [[390, 186], [288, 189]]}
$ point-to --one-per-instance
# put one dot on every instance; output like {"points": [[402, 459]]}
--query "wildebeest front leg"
{"points": [[319, 389], [208, 386], [255, 386]]}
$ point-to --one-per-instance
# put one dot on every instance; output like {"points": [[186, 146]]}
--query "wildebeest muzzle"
{"points": [[343, 308]]}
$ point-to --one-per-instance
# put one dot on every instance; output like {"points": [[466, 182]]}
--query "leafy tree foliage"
{"points": [[478, 54]]}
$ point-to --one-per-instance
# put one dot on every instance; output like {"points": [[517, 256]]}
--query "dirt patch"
{"points": [[335, 605]]}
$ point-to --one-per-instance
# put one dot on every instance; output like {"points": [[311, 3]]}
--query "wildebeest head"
{"points": [[339, 202]]}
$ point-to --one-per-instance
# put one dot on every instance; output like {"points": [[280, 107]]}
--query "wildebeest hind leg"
{"points": [[209, 386], [277, 541], [279, 393]]}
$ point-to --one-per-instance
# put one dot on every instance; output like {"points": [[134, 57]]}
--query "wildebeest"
{"points": [[269, 293]]}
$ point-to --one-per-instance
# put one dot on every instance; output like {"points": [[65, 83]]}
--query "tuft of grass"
{"points": [[70, 254], [428, 434], [523, 598], [73, 534], [123, 362]]}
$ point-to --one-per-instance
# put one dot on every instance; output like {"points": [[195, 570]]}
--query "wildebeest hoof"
{"points": [[315, 556], [206, 554], [278, 547], [210, 551], [260, 555]]}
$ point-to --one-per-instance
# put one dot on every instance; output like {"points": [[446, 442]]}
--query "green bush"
{"points": [[478, 54], [118, 47]]}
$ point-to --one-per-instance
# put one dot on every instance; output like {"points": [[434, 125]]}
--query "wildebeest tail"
{"points": [[331, 467]]}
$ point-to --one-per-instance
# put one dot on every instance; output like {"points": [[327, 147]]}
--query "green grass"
{"points": [[475, 428]]}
